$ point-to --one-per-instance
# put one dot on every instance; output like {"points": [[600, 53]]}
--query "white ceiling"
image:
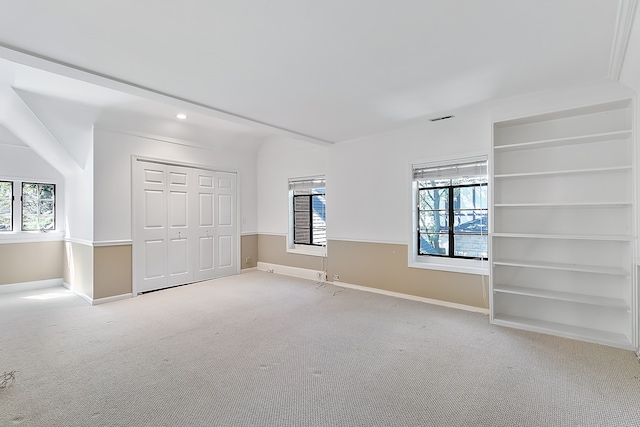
{"points": [[330, 70]]}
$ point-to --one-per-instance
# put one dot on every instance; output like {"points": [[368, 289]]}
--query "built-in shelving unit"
{"points": [[562, 224]]}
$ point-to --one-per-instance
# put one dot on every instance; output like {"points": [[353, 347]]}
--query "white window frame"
{"points": [[17, 235], [312, 250], [39, 215], [456, 265]]}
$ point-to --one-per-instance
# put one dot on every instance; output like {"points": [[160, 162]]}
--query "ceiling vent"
{"points": [[437, 119]]}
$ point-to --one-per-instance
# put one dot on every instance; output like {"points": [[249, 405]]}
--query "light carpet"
{"points": [[260, 349]]}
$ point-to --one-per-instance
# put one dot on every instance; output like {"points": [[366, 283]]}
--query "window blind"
{"points": [[450, 171], [306, 183]]}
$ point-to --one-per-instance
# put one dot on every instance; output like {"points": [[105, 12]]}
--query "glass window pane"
{"points": [[5, 207], [470, 221], [302, 235], [319, 236], [5, 190], [434, 244], [29, 207], [433, 221], [302, 219], [301, 204], [46, 208], [470, 246], [30, 191], [5, 222], [433, 199], [46, 191], [470, 198], [30, 223], [46, 222], [319, 207]]}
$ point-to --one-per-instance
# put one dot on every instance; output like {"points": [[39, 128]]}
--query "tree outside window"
{"points": [[38, 207], [452, 217], [6, 205]]}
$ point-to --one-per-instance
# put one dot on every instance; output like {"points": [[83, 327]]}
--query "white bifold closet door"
{"points": [[184, 225], [216, 224]]}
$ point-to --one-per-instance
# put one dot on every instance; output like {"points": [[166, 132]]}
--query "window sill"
{"points": [[320, 251], [467, 266], [30, 236]]}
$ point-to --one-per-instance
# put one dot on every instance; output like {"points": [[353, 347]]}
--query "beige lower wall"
{"points": [[385, 266], [30, 262], [273, 249], [78, 268], [381, 266], [248, 249], [112, 271]]}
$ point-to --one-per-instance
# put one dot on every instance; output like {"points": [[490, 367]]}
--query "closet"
{"points": [[184, 225]]}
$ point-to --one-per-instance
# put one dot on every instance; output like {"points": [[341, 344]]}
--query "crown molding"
{"points": [[624, 23]]}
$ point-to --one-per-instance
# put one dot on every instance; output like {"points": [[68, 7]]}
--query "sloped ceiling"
{"points": [[330, 70], [7, 137]]}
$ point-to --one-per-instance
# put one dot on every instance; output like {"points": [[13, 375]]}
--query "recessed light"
{"points": [[181, 116]]}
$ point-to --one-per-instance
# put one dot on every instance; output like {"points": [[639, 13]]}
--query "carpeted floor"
{"points": [[260, 349]]}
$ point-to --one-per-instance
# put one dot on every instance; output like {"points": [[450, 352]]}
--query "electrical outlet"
{"points": [[247, 260], [336, 277]]}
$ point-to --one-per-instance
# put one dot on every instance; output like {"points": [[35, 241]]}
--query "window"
{"points": [[6, 206], [308, 215], [38, 207], [450, 214]]}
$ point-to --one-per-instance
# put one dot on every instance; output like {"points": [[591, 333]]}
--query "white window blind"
{"points": [[306, 183], [450, 171]]}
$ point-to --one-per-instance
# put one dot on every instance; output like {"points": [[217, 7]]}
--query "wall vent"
{"points": [[437, 119]]}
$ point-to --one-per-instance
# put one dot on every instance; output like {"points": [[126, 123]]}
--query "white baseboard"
{"points": [[111, 299], [98, 301], [414, 298], [248, 270], [87, 298], [302, 273], [28, 286]]}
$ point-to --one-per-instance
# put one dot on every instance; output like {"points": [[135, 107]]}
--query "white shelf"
{"points": [[565, 237], [621, 204], [569, 175], [569, 331], [597, 269], [563, 296], [571, 140], [563, 172]]}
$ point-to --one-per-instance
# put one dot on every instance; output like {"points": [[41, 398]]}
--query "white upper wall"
{"points": [[368, 180], [79, 197], [368, 188], [113, 153], [279, 159]]}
